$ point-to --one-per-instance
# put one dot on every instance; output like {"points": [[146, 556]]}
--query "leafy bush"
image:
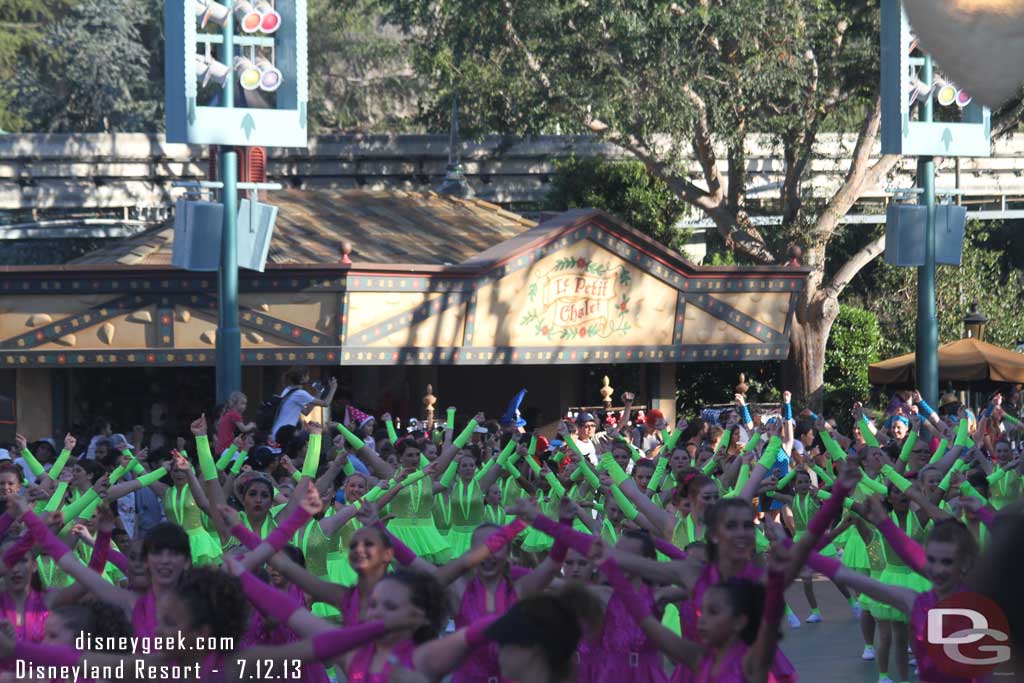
{"points": [[852, 346]]}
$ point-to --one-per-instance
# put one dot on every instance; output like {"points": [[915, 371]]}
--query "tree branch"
{"points": [[849, 270], [703, 145], [860, 176], [1008, 120]]}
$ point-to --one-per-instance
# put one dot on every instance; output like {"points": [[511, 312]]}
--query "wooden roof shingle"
{"points": [[384, 227]]}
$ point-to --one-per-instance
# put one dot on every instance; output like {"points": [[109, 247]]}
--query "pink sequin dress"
{"points": [[782, 671], [626, 653], [927, 671], [482, 665], [359, 668]]}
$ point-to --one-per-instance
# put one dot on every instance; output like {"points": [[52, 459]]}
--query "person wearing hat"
{"points": [[586, 427]]}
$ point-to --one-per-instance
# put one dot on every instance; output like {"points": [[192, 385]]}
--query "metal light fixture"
{"points": [[974, 323]]}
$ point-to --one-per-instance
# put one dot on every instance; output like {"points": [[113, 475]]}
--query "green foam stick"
{"points": [[628, 509], [225, 457], [76, 506], [206, 464], [57, 498], [152, 477], [556, 488], [898, 480], [939, 452], [589, 474], [354, 441], [908, 446], [866, 431], [34, 465], [871, 484], [236, 467], [613, 469], [58, 465], [449, 474], [312, 461], [771, 452], [788, 478], [451, 419], [823, 475], [967, 489], [832, 446], [659, 473], [392, 434], [466, 434], [848, 503]]}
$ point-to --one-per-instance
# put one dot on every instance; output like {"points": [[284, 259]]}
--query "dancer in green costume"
{"points": [[466, 485]]}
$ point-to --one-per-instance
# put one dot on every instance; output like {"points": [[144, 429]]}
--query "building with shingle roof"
{"points": [[460, 294]]}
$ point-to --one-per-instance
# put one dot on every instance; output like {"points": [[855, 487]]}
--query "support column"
{"points": [[661, 378]]}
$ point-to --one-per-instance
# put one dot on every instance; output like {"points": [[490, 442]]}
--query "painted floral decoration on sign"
{"points": [[579, 298]]}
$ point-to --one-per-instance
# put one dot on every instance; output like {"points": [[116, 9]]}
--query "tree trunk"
{"points": [[803, 373]]}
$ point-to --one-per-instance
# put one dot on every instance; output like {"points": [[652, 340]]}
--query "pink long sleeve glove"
{"points": [[57, 655], [581, 543], [338, 641], [824, 565], [476, 633], [668, 549], [282, 535], [100, 551], [906, 547], [403, 553], [18, 550], [774, 599], [45, 539], [277, 605], [503, 536], [249, 538], [635, 604], [559, 551], [120, 561], [987, 516], [6, 520]]}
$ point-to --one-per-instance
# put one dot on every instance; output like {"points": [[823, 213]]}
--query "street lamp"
{"points": [[974, 323]]}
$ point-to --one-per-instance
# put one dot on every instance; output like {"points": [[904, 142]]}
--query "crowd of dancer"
{"points": [[367, 551]]}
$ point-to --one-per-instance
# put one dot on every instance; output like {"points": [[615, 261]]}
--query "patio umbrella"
{"points": [[966, 360]]}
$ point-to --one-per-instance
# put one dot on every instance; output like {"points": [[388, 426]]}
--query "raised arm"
{"points": [[66, 560]]}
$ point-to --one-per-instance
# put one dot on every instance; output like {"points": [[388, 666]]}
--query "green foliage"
{"points": [[700, 384], [90, 73], [624, 189], [985, 276], [360, 72], [21, 28], [852, 346], [533, 66]]}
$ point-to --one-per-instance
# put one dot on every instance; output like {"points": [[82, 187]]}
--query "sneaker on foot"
{"points": [[884, 679], [794, 620], [869, 652], [814, 618]]}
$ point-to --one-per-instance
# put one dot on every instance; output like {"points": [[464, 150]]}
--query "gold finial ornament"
{"points": [[606, 392], [428, 402], [743, 387]]}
